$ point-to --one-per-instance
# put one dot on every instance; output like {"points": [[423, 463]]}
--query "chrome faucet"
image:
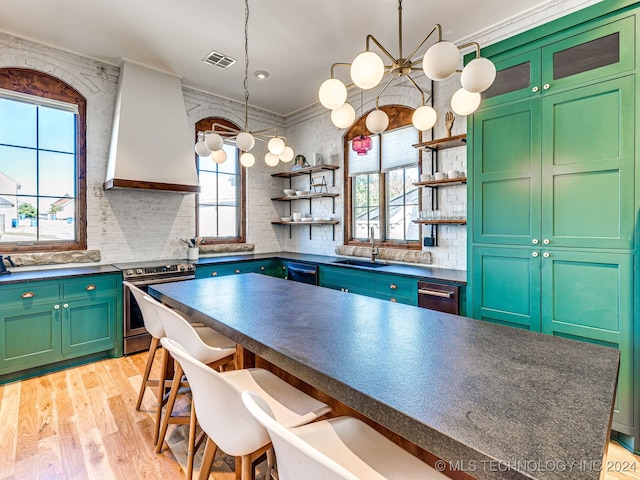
{"points": [[374, 250]]}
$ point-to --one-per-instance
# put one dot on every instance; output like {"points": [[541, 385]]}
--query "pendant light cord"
{"points": [[246, 65]]}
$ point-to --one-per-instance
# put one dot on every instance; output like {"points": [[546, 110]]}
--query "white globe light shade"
{"points": [[245, 141], [377, 121], [214, 142], [344, 116], [271, 159], [287, 155], [202, 149], [441, 61], [478, 75], [367, 70], [332, 93], [465, 103], [276, 146], [247, 160], [219, 156], [424, 118]]}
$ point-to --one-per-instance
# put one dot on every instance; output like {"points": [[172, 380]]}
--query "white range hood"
{"points": [[151, 140]]}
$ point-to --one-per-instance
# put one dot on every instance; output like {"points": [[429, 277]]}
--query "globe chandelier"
{"points": [[211, 141], [439, 63]]}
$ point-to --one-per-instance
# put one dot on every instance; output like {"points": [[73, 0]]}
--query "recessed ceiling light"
{"points": [[261, 74]]}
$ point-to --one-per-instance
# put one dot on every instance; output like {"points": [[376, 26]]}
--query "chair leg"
{"points": [[192, 441], [161, 382], [207, 459], [247, 468], [147, 369], [175, 387]]}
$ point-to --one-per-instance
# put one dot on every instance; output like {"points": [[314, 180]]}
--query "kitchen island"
{"points": [[492, 401]]}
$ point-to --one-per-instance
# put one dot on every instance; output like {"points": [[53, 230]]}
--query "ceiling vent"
{"points": [[219, 59]]}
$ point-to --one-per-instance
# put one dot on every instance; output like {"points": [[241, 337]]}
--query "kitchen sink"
{"points": [[362, 263]]}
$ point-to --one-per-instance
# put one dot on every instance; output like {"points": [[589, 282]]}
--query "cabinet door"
{"points": [[506, 286], [594, 53], [506, 174], [218, 270], [589, 296], [517, 76], [346, 279], [588, 166], [396, 288], [89, 325], [29, 336]]}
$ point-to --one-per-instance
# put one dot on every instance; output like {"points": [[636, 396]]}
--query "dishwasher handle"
{"points": [[435, 293]]}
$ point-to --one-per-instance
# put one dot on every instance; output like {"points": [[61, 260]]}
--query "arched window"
{"points": [[379, 190], [220, 205], [42, 163]]}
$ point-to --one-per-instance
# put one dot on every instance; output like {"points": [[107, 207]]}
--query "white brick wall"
{"points": [[129, 225]]}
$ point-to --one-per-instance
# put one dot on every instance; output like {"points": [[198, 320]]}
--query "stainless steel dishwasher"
{"points": [[439, 296]]}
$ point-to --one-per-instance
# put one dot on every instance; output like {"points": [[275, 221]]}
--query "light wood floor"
{"points": [[80, 423]]}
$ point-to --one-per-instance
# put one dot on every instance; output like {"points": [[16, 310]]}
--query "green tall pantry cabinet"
{"points": [[552, 176]]}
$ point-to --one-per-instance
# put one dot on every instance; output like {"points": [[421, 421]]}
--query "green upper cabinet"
{"points": [[579, 55], [558, 170], [506, 174], [588, 166]]}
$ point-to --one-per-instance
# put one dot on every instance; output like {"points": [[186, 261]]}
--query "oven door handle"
{"points": [[435, 293], [154, 281]]}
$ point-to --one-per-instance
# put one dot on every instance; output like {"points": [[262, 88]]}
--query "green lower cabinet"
{"points": [[346, 279], [29, 336], [45, 322], [88, 325], [266, 267], [581, 295], [396, 288]]}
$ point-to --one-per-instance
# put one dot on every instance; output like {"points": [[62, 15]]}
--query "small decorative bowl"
{"points": [[289, 192], [306, 219], [285, 219], [302, 192]]}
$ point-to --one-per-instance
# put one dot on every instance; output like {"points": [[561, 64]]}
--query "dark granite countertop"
{"points": [[17, 276], [501, 402], [425, 272]]}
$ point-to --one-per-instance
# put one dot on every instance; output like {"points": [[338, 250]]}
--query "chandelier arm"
{"points": [[384, 50], [229, 129], [338, 65], [471, 44], [436, 27], [400, 29], [382, 91], [417, 87]]}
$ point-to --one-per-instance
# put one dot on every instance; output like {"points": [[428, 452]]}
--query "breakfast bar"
{"points": [[492, 401]]}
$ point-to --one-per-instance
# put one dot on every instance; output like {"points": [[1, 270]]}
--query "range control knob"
{"points": [[129, 273], [139, 271]]}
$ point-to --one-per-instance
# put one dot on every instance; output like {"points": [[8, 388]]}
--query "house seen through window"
{"points": [[39, 172]]}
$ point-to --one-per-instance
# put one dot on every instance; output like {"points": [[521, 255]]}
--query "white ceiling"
{"points": [[296, 41]]}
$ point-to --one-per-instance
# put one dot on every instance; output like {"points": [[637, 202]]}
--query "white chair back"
{"points": [[179, 329], [296, 458], [219, 407], [152, 323]]}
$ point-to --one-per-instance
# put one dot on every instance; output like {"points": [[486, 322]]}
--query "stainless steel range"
{"points": [[143, 274]]}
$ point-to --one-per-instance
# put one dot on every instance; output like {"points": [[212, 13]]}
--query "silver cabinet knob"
{"points": [[262, 269], [546, 86], [546, 241], [535, 254], [214, 274], [237, 270], [535, 241], [545, 254], [66, 305], [56, 307], [535, 89]]}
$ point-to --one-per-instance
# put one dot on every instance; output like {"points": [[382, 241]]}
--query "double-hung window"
{"points": [[42, 181], [220, 203], [381, 194]]}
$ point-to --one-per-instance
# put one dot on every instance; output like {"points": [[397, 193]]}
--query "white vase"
{"points": [[193, 253]]}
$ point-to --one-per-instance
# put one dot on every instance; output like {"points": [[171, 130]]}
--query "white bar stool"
{"points": [[225, 420], [208, 346], [342, 448]]}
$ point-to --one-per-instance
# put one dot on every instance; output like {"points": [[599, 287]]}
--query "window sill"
{"points": [[226, 248], [392, 254], [55, 258]]}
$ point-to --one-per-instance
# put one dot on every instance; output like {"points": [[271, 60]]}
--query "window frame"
{"points": [[399, 116], [39, 84], [203, 125]]}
